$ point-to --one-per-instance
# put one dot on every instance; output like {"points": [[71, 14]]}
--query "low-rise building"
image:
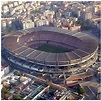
{"points": [[47, 12], [5, 69], [3, 25], [42, 22], [11, 5], [27, 23], [9, 23], [75, 28], [15, 3], [85, 15], [26, 80], [5, 9]]}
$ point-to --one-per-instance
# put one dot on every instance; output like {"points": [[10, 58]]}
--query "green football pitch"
{"points": [[52, 49]]}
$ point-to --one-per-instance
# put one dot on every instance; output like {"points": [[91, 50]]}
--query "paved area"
{"points": [[84, 75], [91, 89], [91, 93]]}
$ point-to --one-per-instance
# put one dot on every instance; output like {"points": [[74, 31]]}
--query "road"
{"points": [[6, 35], [91, 93], [91, 90], [88, 83]]}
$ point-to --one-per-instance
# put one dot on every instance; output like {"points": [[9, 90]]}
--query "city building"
{"points": [[28, 24], [86, 15], [5, 69], [42, 23], [3, 25], [75, 28]]}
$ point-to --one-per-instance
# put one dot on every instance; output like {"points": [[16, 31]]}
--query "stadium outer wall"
{"points": [[83, 62]]}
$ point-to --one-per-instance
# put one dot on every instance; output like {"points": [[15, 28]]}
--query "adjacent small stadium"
{"points": [[50, 49]]}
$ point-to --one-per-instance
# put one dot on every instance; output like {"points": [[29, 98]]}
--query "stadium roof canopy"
{"points": [[85, 45]]}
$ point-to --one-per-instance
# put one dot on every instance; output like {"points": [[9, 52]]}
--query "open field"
{"points": [[52, 48]]}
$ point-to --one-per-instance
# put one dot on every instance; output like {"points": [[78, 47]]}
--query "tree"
{"points": [[4, 91], [17, 73], [84, 26], [79, 22], [80, 90], [10, 30], [6, 96], [27, 98], [17, 97], [13, 84]]}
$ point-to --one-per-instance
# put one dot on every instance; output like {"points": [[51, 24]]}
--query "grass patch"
{"points": [[52, 48]]}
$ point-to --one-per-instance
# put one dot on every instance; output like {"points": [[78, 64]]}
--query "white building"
{"points": [[49, 12], [78, 13], [5, 9], [26, 80], [3, 25], [2, 72], [28, 24], [11, 5], [42, 22], [20, 2], [9, 23], [5, 70], [15, 3]]}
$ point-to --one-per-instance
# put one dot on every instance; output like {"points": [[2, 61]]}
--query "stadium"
{"points": [[50, 49]]}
